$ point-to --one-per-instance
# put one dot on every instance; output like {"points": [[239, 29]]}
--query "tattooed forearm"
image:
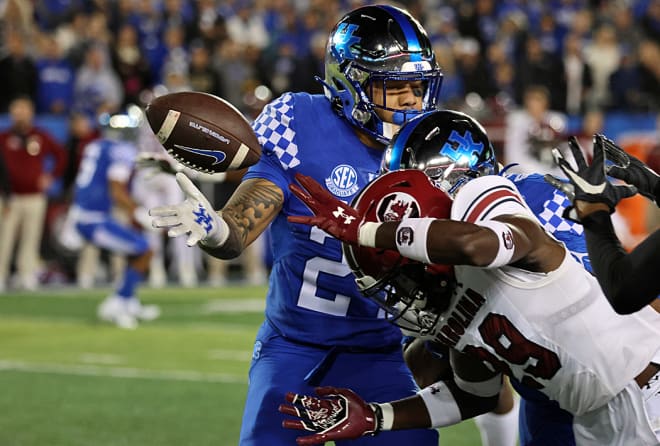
{"points": [[248, 212]]}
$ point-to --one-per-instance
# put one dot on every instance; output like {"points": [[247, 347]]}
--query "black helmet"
{"points": [[372, 44], [449, 146]]}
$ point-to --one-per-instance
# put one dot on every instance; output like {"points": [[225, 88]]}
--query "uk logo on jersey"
{"points": [[342, 181]]}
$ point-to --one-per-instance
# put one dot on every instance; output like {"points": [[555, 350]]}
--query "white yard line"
{"points": [[121, 372], [249, 305]]}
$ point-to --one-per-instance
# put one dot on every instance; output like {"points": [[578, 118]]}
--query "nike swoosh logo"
{"points": [[217, 155], [585, 186]]}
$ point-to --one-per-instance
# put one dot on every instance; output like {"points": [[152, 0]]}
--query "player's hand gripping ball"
{"points": [[203, 132]]}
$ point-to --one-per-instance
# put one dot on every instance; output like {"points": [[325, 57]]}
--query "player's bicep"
{"points": [[252, 207]]}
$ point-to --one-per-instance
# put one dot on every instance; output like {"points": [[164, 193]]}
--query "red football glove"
{"points": [[343, 416], [330, 214]]}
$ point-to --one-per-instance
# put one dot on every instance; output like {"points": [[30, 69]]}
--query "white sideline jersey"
{"points": [[555, 332]]}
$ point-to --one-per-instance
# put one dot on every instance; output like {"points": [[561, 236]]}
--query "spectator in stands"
{"points": [[532, 132], [130, 64], [306, 66], [235, 67], [209, 24], [651, 20], [473, 70], [97, 88], [174, 55], [649, 74], [18, 73], [538, 67], [56, 79], [603, 55], [4, 185], [202, 74], [247, 26], [25, 149], [577, 73]]}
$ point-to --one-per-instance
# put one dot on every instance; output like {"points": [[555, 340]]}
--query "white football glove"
{"points": [[141, 217], [195, 217]]}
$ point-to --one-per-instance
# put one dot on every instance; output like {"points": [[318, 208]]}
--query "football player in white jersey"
{"points": [[479, 273]]}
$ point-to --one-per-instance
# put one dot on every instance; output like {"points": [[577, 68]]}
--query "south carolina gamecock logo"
{"points": [[397, 206]]}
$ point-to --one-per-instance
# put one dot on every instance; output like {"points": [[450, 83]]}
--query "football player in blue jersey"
{"points": [[379, 71], [101, 185]]}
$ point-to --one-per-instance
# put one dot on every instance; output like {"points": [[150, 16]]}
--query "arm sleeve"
{"points": [[629, 280]]}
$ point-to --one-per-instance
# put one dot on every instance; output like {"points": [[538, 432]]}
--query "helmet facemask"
{"points": [[413, 296]]}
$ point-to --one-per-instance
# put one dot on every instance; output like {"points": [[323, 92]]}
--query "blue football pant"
{"points": [[279, 366], [114, 237]]}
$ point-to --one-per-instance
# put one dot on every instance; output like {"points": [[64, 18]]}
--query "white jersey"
{"points": [[555, 332]]}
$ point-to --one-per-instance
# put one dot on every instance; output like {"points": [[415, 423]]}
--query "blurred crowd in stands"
{"points": [[524, 67]]}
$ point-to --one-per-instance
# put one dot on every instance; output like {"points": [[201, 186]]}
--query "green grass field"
{"points": [[67, 380]]}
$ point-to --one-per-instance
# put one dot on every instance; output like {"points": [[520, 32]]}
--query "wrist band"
{"points": [[384, 413], [367, 234], [411, 235], [440, 404], [505, 238]]}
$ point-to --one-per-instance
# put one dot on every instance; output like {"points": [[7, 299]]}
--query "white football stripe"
{"points": [[168, 125], [239, 157]]}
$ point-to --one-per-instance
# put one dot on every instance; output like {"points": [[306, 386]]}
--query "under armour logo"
{"points": [[203, 218], [339, 213]]}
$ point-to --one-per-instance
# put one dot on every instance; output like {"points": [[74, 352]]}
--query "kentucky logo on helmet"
{"points": [[342, 181], [344, 39], [397, 206], [460, 147]]}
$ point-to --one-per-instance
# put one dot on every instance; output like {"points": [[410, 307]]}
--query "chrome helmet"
{"points": [[450, 147], [370, 46]]}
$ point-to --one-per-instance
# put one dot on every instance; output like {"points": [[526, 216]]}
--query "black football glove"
{"points": [[631, 170], [587, 183]]}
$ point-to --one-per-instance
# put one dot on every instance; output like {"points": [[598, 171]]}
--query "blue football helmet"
{"points": [[370, 46], [450, 147]]}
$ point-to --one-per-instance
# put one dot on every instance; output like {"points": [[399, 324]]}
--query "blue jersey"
{"points": [[103, 160], [312, 294], [548, 205]]}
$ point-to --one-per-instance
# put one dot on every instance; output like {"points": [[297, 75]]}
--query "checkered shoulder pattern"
{"points": [[551, 217], [275, 131]]}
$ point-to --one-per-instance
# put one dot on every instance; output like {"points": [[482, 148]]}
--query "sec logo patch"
{"points": [[343, 181]]}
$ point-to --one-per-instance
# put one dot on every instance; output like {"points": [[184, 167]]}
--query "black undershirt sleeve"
{"points": [[630, 281]]}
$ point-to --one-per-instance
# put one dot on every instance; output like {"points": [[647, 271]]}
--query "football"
{"points": [[203, 131]]}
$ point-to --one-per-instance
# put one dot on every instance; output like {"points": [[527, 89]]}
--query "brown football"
{"points": [[203, 132]]}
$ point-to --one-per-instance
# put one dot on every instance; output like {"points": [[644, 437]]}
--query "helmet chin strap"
{"points": [[389, 129]]}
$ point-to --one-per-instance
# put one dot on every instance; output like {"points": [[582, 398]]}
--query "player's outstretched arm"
{"points": [[425, 239], [628, 280], [222, 234]]}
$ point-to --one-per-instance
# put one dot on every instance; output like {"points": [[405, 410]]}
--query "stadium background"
{"points": [[67, 379]]}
